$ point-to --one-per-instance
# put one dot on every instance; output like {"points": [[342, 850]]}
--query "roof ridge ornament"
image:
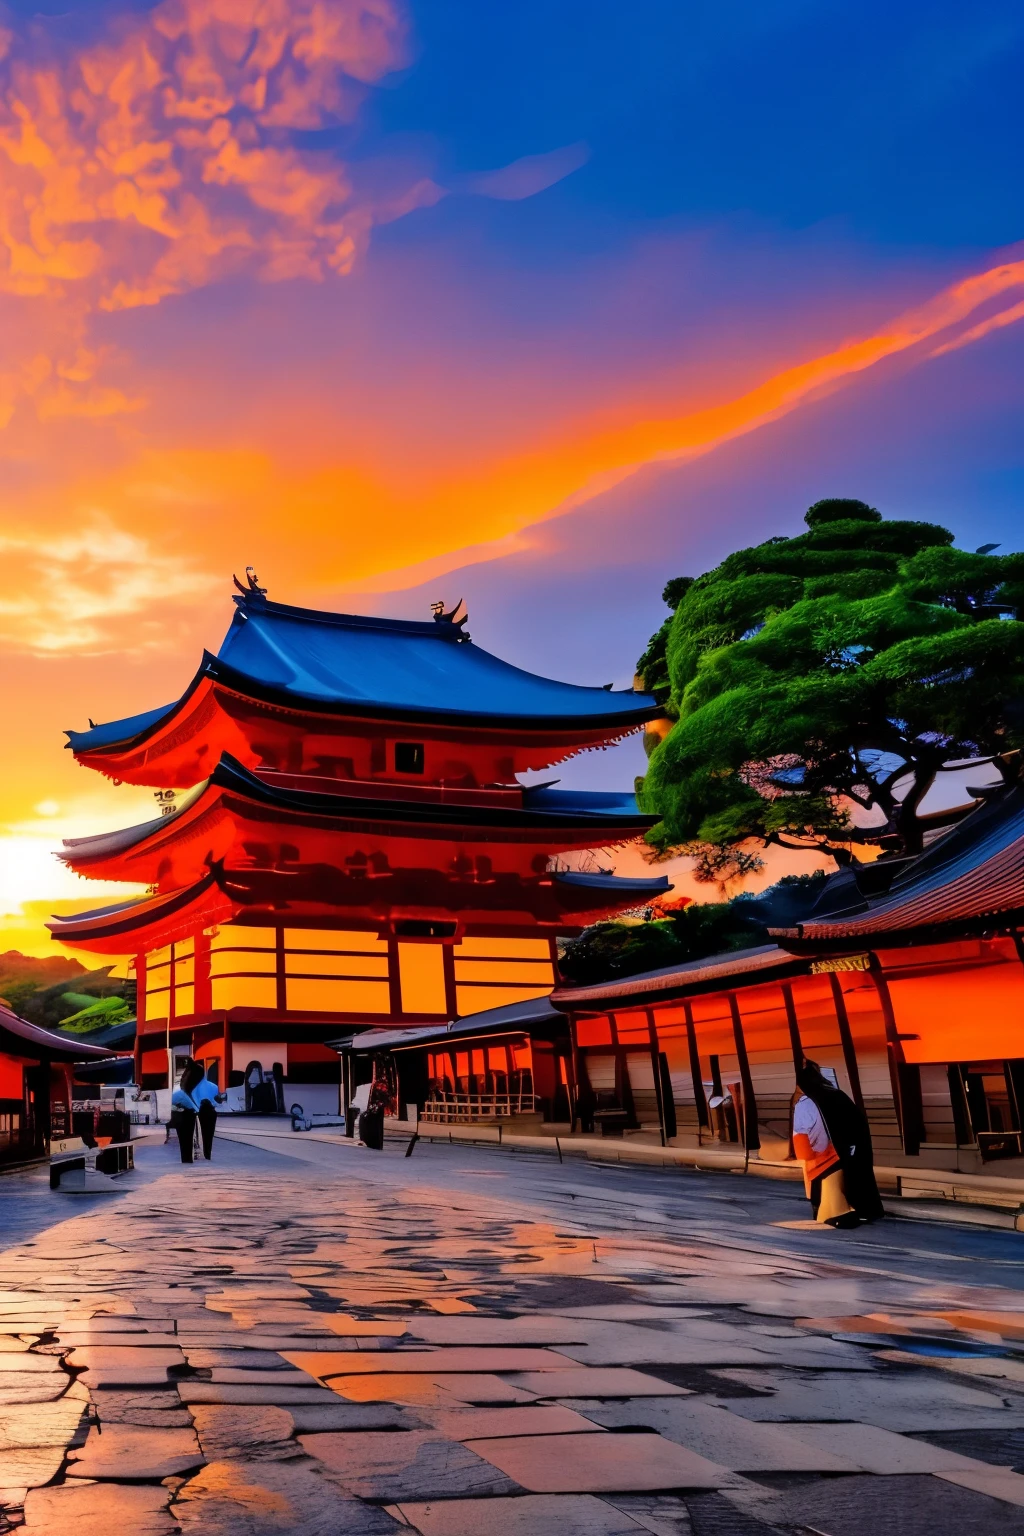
{"points": [[253, 592], [441, 617]]}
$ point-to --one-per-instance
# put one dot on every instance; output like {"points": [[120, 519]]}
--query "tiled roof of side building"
{"points": [[974, 875], [530, 1014], [388, 668], [736, 967]]}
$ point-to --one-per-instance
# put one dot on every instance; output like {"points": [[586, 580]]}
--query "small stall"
{"points": [[510, 1065], [36, 1077]]}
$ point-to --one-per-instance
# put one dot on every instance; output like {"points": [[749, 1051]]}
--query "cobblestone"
{"points": [[325, 1342]]}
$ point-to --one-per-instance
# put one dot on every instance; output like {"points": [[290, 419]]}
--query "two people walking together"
{"points": [[193, 1102]]}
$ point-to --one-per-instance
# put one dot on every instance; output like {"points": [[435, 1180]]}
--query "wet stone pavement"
{"points": [[305, 1337]]}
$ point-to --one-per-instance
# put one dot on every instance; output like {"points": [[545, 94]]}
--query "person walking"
{"points": [[185, 1112], [823, 1168], [850, 1135], [371, 1121], [206, 1096]]}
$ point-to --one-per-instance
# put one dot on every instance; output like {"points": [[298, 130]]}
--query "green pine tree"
{"points": [[853, 663]]}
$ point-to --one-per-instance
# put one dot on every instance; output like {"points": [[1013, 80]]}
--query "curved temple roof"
{"points": [[603, 817], [387, 668], [313, 896], [972, 876], [115, 929], [175, 850]]}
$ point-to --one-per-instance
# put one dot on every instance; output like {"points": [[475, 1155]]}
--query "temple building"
{"points": [[354, 849], [905, 983]]}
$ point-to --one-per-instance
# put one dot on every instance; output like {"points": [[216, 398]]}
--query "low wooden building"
{"points": [[36, 1073], [906, 982], [510, 1065]]}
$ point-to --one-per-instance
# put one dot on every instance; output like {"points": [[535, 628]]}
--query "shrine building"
{"points": [[354, 848]]}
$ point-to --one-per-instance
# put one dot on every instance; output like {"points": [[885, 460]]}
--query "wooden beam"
{"points": [[845, 1035], [796, 1044], [652, 1033], [751, 1139], [699, 1096]]}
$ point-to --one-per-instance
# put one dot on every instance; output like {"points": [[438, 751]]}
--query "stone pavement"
{"points": [[322, 1340]]}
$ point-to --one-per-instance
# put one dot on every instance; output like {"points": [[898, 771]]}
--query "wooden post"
{"points": [[574, 1048], [448, 967], [652, 1031], [795, 1043], [751, 1139], [281, 968], [227, 1053], [906, 1118], [699, 1096], [849, 1054], [346, 1092]]}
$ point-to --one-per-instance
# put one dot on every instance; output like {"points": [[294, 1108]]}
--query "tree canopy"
{"points": [[848, 666]]}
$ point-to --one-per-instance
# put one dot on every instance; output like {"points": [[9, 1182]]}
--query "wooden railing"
{"points": [[447, 1107]]}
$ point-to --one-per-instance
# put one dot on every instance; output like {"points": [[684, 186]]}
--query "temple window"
{"points": [[492, 971], [409, 756]]}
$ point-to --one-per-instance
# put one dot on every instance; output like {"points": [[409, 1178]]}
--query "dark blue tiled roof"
{"points": [[390, 668], [970, 878], [119, 730]]}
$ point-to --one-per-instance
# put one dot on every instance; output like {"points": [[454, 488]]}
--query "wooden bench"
{"points": [[76, 1168]]}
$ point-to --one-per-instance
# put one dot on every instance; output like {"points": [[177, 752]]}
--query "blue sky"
{"points": [[504, 302]]}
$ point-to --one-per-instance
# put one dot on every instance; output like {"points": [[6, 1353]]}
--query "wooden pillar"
{"points": [[448, 967], [394, 979], [796, 1045], [652, 1031], [282, 985], [227, 1052], [849, 1054], [699, 1096], [346, 1092], [751, 1139], [623, 1086], [908, 1109], [575, 1056]]}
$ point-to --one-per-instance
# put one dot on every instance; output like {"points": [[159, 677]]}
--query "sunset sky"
{"points": [[533, 304]]}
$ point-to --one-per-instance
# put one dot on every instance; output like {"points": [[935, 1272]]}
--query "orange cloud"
{"points": [[315, 519], [562, 474], [69, 592], [159, 160]]}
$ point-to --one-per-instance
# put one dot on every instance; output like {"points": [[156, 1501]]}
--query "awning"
{"points": [[514, 1018], [25, 1039]]}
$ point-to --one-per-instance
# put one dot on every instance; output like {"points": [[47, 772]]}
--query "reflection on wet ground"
{"points": [[306, 1338]]}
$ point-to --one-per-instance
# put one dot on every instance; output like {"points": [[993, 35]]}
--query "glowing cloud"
{"points": [[562, 475], [161, 159], [70, 589]]}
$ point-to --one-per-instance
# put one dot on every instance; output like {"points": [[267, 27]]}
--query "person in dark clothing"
{"points": [[849, 1133], [184, 1111], [371, 1121], [206, 1096]]}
